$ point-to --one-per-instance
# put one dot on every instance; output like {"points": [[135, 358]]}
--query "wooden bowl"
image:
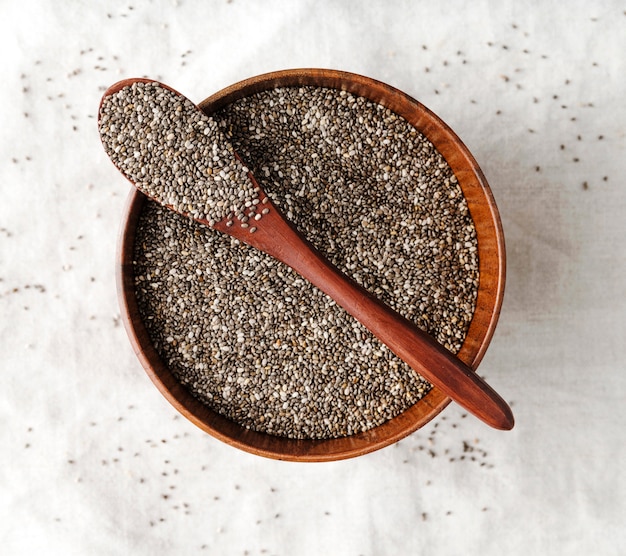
{"points": [[491, 257]]}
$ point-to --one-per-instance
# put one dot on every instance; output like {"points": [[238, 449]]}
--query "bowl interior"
{"points": [[491, 257]]}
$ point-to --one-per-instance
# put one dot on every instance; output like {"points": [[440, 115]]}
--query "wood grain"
{"points": [[491, 264]]}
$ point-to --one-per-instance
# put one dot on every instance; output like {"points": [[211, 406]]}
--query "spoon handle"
{"points": [[276, 236]]}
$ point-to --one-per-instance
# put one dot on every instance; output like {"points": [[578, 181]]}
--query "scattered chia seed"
{"points": [[248, 335]]}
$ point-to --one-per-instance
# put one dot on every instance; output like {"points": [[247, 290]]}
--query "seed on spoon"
{"points": [[174, 153]]}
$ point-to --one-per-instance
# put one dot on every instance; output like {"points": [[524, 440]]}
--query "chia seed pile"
{"points": [[255, 341], [174, 153]]}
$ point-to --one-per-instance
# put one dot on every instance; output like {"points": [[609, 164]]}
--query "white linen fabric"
{"points": [[93, 460]]}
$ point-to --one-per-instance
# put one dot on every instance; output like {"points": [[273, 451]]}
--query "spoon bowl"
{"points": [[273, 226]]}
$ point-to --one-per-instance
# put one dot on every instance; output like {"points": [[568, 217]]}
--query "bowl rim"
{"points": [[492, 276]]}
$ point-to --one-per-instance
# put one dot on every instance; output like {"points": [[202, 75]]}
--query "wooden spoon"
{"points": [[276, 236]]}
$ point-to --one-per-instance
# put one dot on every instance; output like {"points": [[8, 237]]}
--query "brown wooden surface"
{"points": [[491, 264]]}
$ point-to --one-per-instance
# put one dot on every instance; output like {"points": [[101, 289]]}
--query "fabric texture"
{"points": [[95, 461]]}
